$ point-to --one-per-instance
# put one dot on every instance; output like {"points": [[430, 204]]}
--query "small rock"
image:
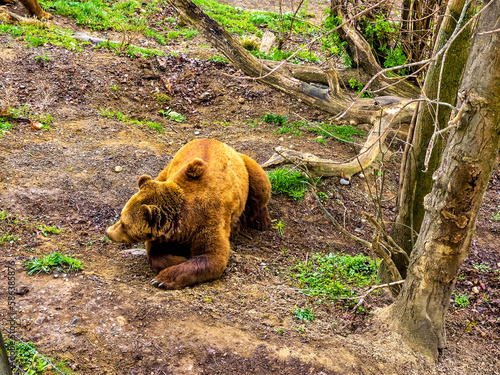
{"points": [[344, 181], [121, 321], [65, 275], [352, 123], [475, 290], [22, 290], [118, 169], [196, 133], [241, 100], [36, 125], [134, 252], [56, 275], [204, 96], [40, 319], [361, 175], [78, 331]]}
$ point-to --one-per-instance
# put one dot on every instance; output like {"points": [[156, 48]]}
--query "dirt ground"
{"points": [[109, 319]]}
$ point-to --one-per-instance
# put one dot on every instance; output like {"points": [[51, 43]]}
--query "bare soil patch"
{"points": [[108, 319]]}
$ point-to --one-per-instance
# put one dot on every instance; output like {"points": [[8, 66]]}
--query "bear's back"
{"points": [[223, 182]]}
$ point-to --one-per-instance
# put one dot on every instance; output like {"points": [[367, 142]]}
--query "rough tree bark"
{"points": [[452, 206], [416, 180]]}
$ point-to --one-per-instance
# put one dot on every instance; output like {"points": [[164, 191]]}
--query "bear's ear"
{"points": [[144, 179], [195, 168], [152, 214]]}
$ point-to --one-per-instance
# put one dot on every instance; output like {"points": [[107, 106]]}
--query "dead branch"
{"points": [[328, 168], [371, 290]]}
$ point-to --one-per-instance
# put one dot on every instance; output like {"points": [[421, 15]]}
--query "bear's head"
{"points": [[149, 214]]}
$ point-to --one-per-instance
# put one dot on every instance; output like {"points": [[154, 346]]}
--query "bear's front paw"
{"points": [[165, 285]]}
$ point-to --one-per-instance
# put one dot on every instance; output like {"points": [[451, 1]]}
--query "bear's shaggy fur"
{"points": [[188, 212]]}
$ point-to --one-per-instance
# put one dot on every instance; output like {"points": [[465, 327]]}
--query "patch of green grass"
{"points": [[342, 133], [50, 262], [304, 314], [218, 58], [245, 22], [43, 58], [461, 300], [185, 33], [24, 111], [46, 118], [114, 87], [280, 227], [358, 86], [162, 98], [172, 115], [128, 16], [252, 123], [27, 358], [287, 182], [8, 238], [332, 44], [4, 126], [39, 34], [271, 118], [46, 229], [125, 118], [482, 268], [277, 55], [292, 129], [334, 276], [496, 216], [129, 50]]}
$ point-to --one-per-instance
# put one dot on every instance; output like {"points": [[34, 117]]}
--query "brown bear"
{"points": [[187, 214], [32, 6]]}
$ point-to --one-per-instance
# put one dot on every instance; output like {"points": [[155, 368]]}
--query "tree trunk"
{"points": [[452, 207], [4, 359], [415, 180]]}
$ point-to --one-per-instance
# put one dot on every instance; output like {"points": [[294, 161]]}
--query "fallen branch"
{"points": [[328, 168], [371, 290]]}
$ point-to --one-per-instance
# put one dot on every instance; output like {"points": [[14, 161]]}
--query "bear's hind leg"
{"points": [[256, 214]]}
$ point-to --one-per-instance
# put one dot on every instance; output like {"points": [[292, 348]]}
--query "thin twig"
{"points": [[372, 289]]}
